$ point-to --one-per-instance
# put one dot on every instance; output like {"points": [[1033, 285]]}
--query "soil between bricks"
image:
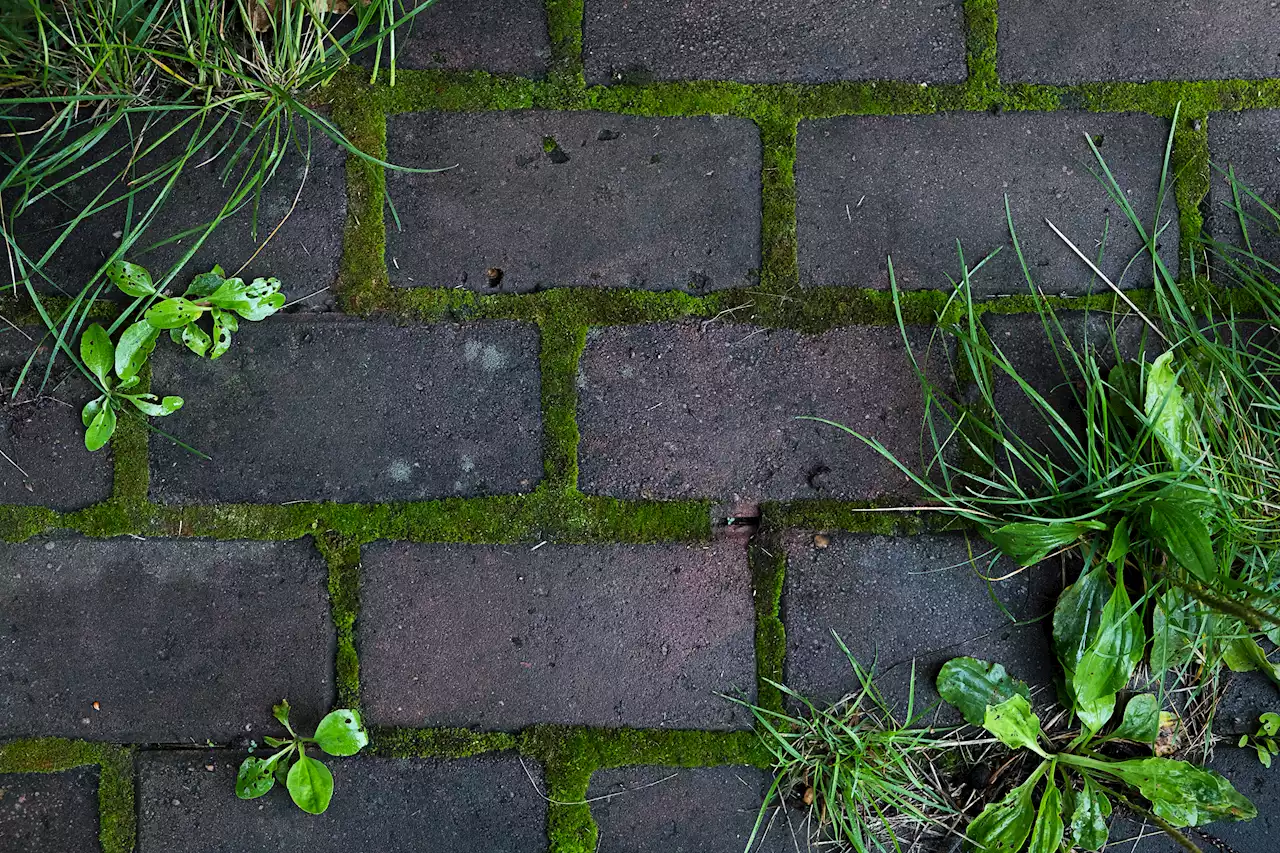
{"points": [[621, 201], [49, 812], [379, 804], [174, 640], [503, 637], [349, 411]]}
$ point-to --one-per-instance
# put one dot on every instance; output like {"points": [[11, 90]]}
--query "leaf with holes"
{"points": [[136, 344], [196, 339], [173, 313], [98, 354], [341, 732], [1003, 826], [1089, 817], [130, 278], [149, 405], [101, 427]]}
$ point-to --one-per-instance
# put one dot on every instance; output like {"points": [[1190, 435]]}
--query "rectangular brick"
{"points": [[607, 635], [347, 411], [304, 252], [1246, 142], [688, 410], [41, 436], [910, 186], [502, 36], [388, 805], [765, 41], [1081, 41], [172, 640], [49, 812], [914, 598], [538, 199], [683, 810]]}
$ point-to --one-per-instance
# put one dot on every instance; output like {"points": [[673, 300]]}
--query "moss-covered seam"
{"points": [[343, 559], [768, 560], [129, 451], [982, 27], [561, 349], [117, 828], [362, 269]]}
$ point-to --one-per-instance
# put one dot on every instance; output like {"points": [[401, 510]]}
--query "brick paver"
{"points": [[898, 600], [910, 186], [621, 201], [49, 812], [1080, 41], [503, 36], [168, 641], [685, 810], [397, 806], [45, 461], [766, 41], [694, 410], [353, 411], [605, 635], [1247, 143]]}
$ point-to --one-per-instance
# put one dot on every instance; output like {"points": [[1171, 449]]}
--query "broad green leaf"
{"points": [[274, 742], [1089, 819], [281, 713], [254, 301], [1243, 654], [341, 732], [1269, 724], [196, 339], [130, 278], [91, 409], [1014, 724], [256, 777], [97, 353], [1003, 826], [1182, 534], [136, 344], [173, 313], [1095, 714], [1106, 665], [205, 283], [1046, 837], [310, 785], [1166, 411], [1078, 614], [1028, 542], [1181, 793], [1141, 720], [224, 323], [1173, 627], [146, 403], [1119, 542], [971, 685], [100, 428]]}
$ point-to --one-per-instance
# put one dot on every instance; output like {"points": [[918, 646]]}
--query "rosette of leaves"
{"points": [[117, 366], [308, 780], [1065, 802], [1264, 740]]}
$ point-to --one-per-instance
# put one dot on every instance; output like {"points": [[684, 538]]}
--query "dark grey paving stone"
{"points": [[679, 410], [41, 436], [914, 598], [303, 253], [547, 199], [392, 805], [49, 812], [350, 411], [174, 640], [1081, 41], [909, 186], [1250, 778], [683, 810], [608, 635], [1024, 341], [503, 36], [1249, 695], [1249, 142], [769, 41]]}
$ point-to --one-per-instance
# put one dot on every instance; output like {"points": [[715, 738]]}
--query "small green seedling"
{"points": [[310, 783], [1265, 739], [209, 293]]}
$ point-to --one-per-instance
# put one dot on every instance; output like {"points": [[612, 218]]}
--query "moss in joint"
{"points": [[982, 27], [343, 558], [768, 561], [1192, 174], [562, 347], [438, 743], [362, 273], [116, 815]]}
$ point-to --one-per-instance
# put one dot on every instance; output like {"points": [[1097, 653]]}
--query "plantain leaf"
{"points": [[136, 344], [342, 732], [1182, 534], [1181, 793], [310, 785], [1003, 826], [1029, 542], [971, 685], [1046, 837], [1013, 723], [97, 353], [1141, 721], [1089, 818], [130, 278], [1108, 662]]}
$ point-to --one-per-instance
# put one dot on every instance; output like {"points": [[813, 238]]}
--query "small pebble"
{"points": [[821, 540]]}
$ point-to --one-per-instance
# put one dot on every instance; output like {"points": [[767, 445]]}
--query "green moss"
{"points": [[982, 26], [19, 523], [768, 569], [343, 558], [1191, 173], [438, 743], [362, 273], [562, 346], [116, 814], [132, 469]]}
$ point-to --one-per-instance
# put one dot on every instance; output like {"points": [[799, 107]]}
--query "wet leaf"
{"points": [[1141, 721], [310, 785], [341, 732], [130, 278], [1027, 543], [971, 685]]}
